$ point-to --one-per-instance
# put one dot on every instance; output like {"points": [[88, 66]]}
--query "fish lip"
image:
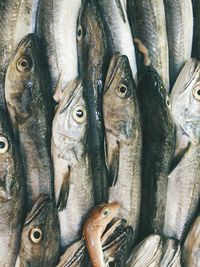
{"points": [[37, 207]]}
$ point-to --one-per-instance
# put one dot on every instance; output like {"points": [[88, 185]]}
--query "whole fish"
{"points": [[123, 139], [147, 253], [119, 29], [11, 194], [17, 18], [179, 21], [93, 63], [56, 28], [73, 178], [157, 150], [150, 28], [191, 248], [196, 30], [40, 235], [93, 229], [184, 180], [171, 256], [29, 108]]}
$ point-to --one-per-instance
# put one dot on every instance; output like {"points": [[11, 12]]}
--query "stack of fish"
{"points": [[99, 133]]}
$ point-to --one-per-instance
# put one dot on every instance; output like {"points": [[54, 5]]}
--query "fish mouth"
{"points": [[38, 208]]}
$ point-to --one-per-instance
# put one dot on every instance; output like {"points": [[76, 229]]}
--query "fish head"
{"points": [[20, 78], [70, 121], [40, 235], [185, 100], [10, 165], [119, 104]]}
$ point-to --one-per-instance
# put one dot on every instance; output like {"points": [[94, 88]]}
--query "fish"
{"points": [[93, 56], [171, 256], [196, 35], [119, 31], [147, 253], [158, 137], [12, 193], [183, 188], [56, 29], [29, 107], [179, 21], [17, 18], [94, 227], [191, 248], [147, 19], [73, 182], [123, 140], [40, 236]]}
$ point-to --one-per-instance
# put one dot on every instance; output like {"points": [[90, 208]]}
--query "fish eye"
{"points": [[168, 102], [24, 63], [79, 32], [122, 91], [105, 213], [3, 145], [35, 235], [196, 93], [79, 114]]}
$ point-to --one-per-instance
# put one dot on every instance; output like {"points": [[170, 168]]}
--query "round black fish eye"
{"points": [[79, 114], [196, 93], [3, 145], [106, 212], [36, 235], [79, 32], [122, 91], [24, 63]]}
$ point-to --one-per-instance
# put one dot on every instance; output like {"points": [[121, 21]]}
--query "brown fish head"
{"points": [[40, 235], [10, 165], [119, 104]]}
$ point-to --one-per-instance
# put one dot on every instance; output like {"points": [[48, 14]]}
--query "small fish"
{"points": [[147, 253], [93, 229], [179, 22], [171, 256], [40, 235], [12, 194], [29, 107], [191, 248], [157, 150], [123, 139], [184, 180], [73, 181]]}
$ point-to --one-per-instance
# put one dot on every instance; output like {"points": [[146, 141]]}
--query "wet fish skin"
{"points": [[150, 27], [93, 229], [12, 194], [171, 256], [40, 235], [183, 182], [179, 21], [93, 58], [196, 36], [56, 28], [157, 151], [147, 253], [73, 181], [123, 140], [29, 107], [191, 248], [120, 37]]}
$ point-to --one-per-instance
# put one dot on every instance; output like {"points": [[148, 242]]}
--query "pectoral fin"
{"points": [[64, 191]]}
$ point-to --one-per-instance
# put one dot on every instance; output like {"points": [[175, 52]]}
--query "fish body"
{"points": [[150, 28], [147, 253], [171, 256], [157, 150], [121, 38], [56, 28], [40, 235], [191, 248], [12, 194], [93, 63], [179, 20], [123, 140], [72, 170], [17, 18], [184, 180], [29, 108], [93, 230], [196, 35]]}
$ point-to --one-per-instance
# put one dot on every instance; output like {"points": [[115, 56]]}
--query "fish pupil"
{"points": [[123, 89], [79, 113], [198, 92], [2, 145], [36, 234], [79, 32], [24, 64]]}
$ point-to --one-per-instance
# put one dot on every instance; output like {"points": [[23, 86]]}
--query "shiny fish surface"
{"points": [[171, 256]]}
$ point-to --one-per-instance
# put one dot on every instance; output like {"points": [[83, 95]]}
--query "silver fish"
{"points": [[184, 181], [171, 256]]}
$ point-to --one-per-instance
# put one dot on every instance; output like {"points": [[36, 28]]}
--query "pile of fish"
{"points": [[99, 133]]}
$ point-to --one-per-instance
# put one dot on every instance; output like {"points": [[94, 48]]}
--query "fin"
{"points": [[143, 50], [64, 192], [58, 92]]}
